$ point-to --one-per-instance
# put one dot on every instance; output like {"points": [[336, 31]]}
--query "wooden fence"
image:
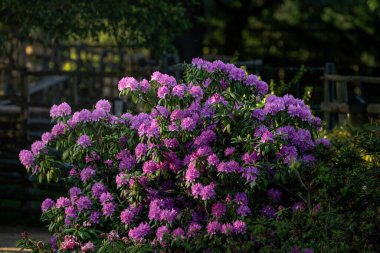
{"points": [[345, 96]]}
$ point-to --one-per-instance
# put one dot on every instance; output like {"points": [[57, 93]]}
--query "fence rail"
{"points": [[344, 97]]}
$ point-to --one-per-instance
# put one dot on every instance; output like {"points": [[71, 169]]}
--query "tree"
{"points": [[293, 31], [149, 23]]}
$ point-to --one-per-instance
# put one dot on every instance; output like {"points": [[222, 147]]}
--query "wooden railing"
{"points": [[338, 104]]}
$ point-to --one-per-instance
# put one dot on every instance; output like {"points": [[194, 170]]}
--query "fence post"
{"points": [[329, 94], [24, 103], [342, 97]]}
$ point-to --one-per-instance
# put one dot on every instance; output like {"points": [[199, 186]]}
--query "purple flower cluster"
{"points": [[60, 110], [233, 73], [138, 233], [47, 204], [26, 158], [84, 141], [182, 167]]}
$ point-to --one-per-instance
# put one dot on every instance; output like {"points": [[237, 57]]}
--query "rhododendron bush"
{"points": [[207, 158]]}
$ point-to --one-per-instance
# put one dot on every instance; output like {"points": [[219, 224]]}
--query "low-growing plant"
{"points": [[214, 164]]}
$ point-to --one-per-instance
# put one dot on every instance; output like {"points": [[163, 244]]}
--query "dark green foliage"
{"points": [[152, 24]]}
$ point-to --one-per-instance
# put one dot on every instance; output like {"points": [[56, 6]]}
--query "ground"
{"points": [[9, 235]]}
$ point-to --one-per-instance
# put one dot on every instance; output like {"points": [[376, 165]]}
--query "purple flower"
{"points": [[70, 243], [53, 242], [268, 212], [84, 141], [61, 110], [188, 123], [239, 227], [95, 217], [144, 85], [163, 79], [250, 173], [178, 232], [323, 141], [105, 197], [274, 105], [205, 138], [63, 202], [237, 74], [193, 229], [259, 114], [179, 90], [127, 161], [196, 190], [71, 212], [228, 167], [241, 198], [98, 114], [83, 203], [196, 91], [46, 137], [127, 215], [218, 209], [168, 215], [140, 150], [74, 192], [26, 158], [213, 227], [37, 146], [87, 173], [191, 174], [47, 204], [176, 115], [58, 129], [173, 127], [97, 189], [317, 208], [229, 151], [207, 83], [252, 80], [227, 229], [150, 167], [103, 104], [298, 207], [243, 210], [308, 250], [308, 159], [128, 83], [208, 192], [275, 195], [121, 179], [88, 247], [249, 157], [171, 143], [82, 116], [290, 154], [108, 162], [138, 233], [262, 87], [108, 208], [295, 249], [213, 160], [162, 92], [162, 232]]}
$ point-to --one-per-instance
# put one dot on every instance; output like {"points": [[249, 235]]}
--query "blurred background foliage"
{"points": [[292, 31], [280, 32]]}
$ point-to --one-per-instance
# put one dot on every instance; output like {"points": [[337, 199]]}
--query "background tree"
{"points": [[291, 32], [150, 24]]}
